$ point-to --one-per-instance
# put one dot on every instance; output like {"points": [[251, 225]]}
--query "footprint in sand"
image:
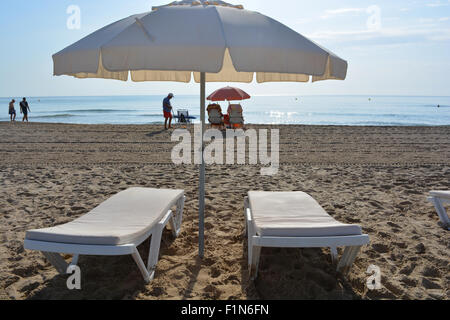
{"points": [[380, 247], [429, 284], [214, 273], [420, 248], [407, 270], [431, 271]]}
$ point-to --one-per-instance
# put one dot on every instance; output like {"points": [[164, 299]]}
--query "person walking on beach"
{"points": [[24, 108], [167, 108], [12, 110]]}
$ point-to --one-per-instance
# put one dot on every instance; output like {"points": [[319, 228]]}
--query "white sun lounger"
{"points": [[296, 220], [438, 198], [116, 227]]}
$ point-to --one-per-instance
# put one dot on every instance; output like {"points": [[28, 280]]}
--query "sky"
{"points": [[392, 47]]}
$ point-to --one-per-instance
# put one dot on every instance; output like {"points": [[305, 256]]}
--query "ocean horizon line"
{"points": [[255, 95]]}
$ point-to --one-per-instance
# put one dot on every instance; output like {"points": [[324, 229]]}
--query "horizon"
{"points": [[399, 48], [255, 95]]}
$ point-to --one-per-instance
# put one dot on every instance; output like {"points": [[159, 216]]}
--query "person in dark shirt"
{"points": [[24, 108], [167, 109]]}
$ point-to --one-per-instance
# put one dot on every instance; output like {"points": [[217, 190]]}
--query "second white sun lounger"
{"points": [[438, 198], [115, 227], [296, 220]]}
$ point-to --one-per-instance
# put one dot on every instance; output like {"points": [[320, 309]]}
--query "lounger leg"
{"points": [[176, 220], [57, 261], [334, 254], [441, 212], [137, 258], [254, 252], [74, 260], [254, 262], [153, 255], [347, 259], [246, 205]]}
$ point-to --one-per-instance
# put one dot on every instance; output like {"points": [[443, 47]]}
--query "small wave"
{"points": [[150, 115], [97, 111], [65, 115]]}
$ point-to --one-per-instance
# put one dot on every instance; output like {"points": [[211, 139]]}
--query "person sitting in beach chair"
{"points": [[215, 115], [235, 116], [183, 116]]}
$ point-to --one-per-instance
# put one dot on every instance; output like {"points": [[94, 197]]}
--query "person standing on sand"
{"points": [[12, 110], [167, 108], [24, 108]]}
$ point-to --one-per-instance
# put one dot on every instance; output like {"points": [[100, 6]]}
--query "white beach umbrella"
{"points": [[213, 40]]}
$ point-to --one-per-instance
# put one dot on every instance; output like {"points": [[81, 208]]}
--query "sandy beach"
{"points": [[378, 177]]}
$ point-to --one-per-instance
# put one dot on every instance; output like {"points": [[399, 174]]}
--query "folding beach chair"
{"points": [[215, 116], [183, 116], [235, 116]]}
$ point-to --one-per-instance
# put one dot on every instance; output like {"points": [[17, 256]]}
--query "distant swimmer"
{"points": [[439, 106]]}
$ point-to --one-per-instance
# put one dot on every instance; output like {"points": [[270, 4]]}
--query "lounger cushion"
{"points": [[441, 194], [122, 219], [294, 214]]}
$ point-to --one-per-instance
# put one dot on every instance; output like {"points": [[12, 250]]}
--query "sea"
{"points": [[305, 110]]}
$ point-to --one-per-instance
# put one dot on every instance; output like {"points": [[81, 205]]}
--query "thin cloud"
{"points": [[386, 35], [342, 11], [438, 4]]}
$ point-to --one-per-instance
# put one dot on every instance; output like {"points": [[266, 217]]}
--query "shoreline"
{"points": [[207, 125]]}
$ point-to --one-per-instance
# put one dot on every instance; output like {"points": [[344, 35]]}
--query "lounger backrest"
{"points": [[235, 113], [215, 116]]}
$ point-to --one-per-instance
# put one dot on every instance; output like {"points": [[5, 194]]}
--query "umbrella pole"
{"points": [[201, 196]]}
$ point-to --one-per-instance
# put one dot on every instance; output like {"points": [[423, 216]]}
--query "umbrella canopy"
{"points": [[214, 41], [228, 93], [200, 2], [228, 44]]}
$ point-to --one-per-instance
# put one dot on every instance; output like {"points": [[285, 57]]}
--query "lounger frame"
{"points": [[52, 250], [352, 245], [438, 203]]}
